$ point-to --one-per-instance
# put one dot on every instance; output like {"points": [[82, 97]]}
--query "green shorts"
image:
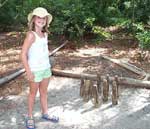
{"points": [[40, 75]]}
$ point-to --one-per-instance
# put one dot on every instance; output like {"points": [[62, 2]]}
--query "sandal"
{"points": [[29, 123], [53, 118]]}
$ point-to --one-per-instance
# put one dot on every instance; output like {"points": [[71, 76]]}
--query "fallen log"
{"points": [[11, 76], [58, 48], [126, 65], [121, 80], [145, 76], [21, 70]]}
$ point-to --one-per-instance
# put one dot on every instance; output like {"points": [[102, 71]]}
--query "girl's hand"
{"points": [[30, 76]]}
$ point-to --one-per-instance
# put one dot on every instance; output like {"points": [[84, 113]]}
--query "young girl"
{"points": [[35, 58]]}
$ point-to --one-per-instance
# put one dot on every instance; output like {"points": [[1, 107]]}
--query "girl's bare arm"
{"points": [[24, 53]]}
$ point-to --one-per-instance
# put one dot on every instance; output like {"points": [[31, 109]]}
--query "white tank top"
{"points": [[38, 54]]}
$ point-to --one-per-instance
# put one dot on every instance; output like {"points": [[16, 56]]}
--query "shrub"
{"points": [[144, 39]]}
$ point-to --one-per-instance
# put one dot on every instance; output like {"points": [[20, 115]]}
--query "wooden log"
{"points": [[63, 73], [145, 76], [133, 82], [21, 70], [11, 76], [126, 65], [130, 82], [114, 93], [58, 48]]}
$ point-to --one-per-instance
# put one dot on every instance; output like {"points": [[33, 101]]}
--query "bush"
{"points": [[144, 39], [101, 33], [76, 18]]}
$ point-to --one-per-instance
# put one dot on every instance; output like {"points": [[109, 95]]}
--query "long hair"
{"points": [[31, 25]]}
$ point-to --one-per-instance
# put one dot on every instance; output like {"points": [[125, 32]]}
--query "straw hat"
{"points": [[41, 12]]}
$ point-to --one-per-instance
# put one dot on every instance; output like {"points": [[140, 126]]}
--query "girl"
{"points": [[35, 58]]}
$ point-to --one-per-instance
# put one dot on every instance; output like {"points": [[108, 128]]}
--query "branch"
{"points": [[2, 4]]}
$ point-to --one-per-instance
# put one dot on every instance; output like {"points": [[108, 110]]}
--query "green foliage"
{"points": [[9, 12], [138, 31], [101, 33], [133, 27], [144, 39], [112, 12], [138, 10], [73, 19], [76, 18]]}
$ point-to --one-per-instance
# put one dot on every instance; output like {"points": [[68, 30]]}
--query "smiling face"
{"points": [[40, 21]]}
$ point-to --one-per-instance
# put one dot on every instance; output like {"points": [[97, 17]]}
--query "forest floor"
{"points": [[132, 112]]}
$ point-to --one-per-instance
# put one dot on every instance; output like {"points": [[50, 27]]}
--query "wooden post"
{"points": [[105, 90], [96, 100], [107, 87], [99, 83], [87, 84], [116, 79], [114, 93], [82, 87], [91, 89]]}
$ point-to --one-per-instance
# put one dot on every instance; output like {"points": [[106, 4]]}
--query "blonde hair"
{"points": [[31, 25]]}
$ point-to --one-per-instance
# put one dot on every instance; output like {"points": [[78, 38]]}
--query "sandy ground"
{"points": [[132, 112]]}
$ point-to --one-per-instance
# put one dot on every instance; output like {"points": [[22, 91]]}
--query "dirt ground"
{"points": [[132, 112]]}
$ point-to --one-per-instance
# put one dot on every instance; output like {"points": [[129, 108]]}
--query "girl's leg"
{"points": [[31, 97], [43, 95]]}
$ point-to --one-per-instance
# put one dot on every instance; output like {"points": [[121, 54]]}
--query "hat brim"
{"points": [[49, 17]]}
